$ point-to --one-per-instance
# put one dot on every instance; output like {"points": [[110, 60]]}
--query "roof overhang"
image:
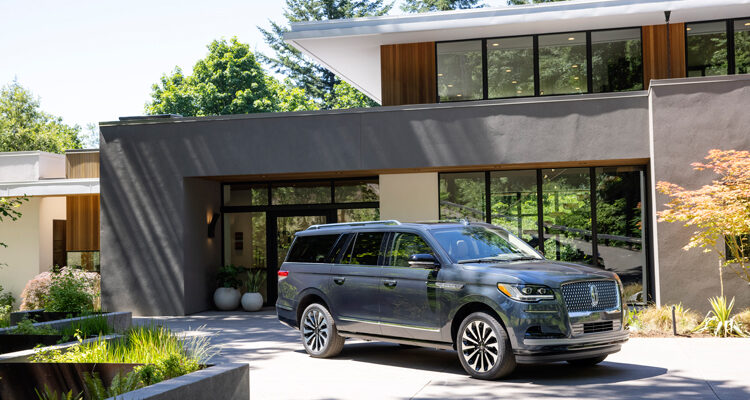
{"points": [[351, 47], [50, 187]]}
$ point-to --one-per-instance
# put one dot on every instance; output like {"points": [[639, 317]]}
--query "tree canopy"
{"points": [[419, 6], [317, 81], [25, 127], [520, 2], [229, 80]]}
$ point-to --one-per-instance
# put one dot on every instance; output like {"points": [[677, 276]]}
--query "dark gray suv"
{"points": [[471, 287]]}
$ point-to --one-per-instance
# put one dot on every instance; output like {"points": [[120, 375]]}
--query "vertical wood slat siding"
{"points": [[655, 52], [82, 223], [82, 165], [408, 73]]}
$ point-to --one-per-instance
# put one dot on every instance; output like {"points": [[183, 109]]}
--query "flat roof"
{"points": [[351, 47]]}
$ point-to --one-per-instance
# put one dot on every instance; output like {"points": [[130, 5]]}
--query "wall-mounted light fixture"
{"points": [[212, 225]]}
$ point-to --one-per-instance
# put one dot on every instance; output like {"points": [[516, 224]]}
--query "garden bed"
{"points": [[40, 316]]}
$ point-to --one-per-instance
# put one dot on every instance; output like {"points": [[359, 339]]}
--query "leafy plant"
{"points": [[49, 394], [27, 327], [718, 321], [654, 319], [69, 292], [743, 318], [5, 316], [36, 294], [228, 276], [120, 384], [256, 279], [87, 327]]}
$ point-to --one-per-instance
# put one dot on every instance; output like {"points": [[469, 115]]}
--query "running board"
{"points": [[391, 339]]}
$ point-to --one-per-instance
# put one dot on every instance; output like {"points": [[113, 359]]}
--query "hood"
{"points": [[542, 272]]}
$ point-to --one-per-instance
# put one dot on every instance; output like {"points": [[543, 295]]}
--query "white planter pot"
{"points": [[226, 298], [252, 301]]}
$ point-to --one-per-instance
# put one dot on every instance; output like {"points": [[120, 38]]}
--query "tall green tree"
{"points": [[229, 80], [346, 96], [316, 80], [25, 127], [419, 6], [520, 2]]}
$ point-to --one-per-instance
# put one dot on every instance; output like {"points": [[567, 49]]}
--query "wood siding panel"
{"points": [[408, 73], [82, 223], [82, 165], [655, 52]]}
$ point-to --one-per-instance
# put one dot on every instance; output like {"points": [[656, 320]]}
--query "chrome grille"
{"points": [[590, 296]]}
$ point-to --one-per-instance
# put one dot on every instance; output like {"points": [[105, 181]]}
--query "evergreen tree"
{"points": [[315, 80], [521, 2], [419, 6]]}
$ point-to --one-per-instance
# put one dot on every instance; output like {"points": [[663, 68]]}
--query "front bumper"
{"points": [[563, 349]]}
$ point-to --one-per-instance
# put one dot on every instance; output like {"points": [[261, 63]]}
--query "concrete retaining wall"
{"points": [[224, 381]]}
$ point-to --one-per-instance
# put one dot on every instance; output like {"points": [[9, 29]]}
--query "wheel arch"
{"points": [[307, 297], [473, 305]]}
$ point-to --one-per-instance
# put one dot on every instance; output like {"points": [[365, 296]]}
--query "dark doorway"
{"points": [[59, 255], [280, 228]]}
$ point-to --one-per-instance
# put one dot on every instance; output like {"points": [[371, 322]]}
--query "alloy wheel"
{"points": [[479, 346], [316, 331]]}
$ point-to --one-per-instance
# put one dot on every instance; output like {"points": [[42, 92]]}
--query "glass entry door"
{"points": [[281, 229]]}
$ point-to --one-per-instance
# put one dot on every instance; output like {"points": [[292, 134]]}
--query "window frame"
{"points": [[729, 31], [348, 253], [535, 44], [388, 259]]}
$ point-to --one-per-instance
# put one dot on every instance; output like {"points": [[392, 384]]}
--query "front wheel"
{"points": [[587, 362], [484, 348], [319, 334]]}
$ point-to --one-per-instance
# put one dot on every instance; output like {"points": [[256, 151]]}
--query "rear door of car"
{"points": [[409, 296], [356, 283]]}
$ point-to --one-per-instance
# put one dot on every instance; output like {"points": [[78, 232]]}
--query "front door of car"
{"points": [[409, 297], [356, 284]]}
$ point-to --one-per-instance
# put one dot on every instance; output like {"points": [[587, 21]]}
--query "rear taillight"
{"points": [[283, 274]]}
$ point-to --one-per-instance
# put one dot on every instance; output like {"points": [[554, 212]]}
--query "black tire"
{"points": [[587, 362], [479, 340], [320, 337]]}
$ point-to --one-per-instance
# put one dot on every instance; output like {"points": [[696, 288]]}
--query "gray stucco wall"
{"points": [[155, 256], [691, 117]]}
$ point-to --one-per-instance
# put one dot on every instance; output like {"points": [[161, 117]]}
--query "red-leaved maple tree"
{"points": [[717, 211]]}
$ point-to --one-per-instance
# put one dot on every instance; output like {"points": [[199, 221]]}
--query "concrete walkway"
{"points": [[645, 369]]}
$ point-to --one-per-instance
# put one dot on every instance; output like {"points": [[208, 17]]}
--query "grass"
{"points": [[654, 320]]}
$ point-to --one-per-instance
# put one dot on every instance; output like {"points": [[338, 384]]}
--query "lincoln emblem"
{"points": [[594, 295]]}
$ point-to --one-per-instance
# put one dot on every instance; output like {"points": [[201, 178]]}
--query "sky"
{"points": [[95, 60]]}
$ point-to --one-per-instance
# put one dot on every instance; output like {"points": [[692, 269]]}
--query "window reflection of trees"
{"points": [[404, 246]]}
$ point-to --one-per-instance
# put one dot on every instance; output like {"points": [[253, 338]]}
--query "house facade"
{"points": [[59, 224], [554, 121]]}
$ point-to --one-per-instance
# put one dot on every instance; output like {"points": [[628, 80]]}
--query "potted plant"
{"points": [[227, 296], [252, 300]]}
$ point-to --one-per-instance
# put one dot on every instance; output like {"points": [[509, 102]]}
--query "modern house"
{"points": [[60, 218], [553, 120]]}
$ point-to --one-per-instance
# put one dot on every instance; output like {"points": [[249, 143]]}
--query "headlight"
{"points": [[528, 293]]}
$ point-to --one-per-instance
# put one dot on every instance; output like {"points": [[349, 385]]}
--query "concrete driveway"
{"points": [[645, 368]]}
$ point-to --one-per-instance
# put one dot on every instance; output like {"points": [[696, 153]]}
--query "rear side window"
{"points": [[312, 249], [365, 250]]}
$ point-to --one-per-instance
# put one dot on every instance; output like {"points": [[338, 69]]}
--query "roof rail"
{"points": [[363, 223]]}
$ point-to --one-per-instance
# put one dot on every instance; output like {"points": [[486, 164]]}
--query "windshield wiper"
{"points": [[481, 260], [524, 258]]}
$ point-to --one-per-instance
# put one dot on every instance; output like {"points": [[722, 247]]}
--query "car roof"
{"points": [[374, 226]]}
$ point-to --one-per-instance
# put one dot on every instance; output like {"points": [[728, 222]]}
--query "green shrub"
{"points": [[27, 327], [49, 394], [718, 321], [36, 294], [228, 277], [256, 279], [5, 316], [743, 317], [69, 292]]}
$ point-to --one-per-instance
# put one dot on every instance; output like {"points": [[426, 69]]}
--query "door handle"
{"points": [[389, 282], [339, 280]]}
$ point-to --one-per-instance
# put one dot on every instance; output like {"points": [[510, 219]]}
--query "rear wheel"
{"points": [[587, 362], [319, 334], [484, 348]]}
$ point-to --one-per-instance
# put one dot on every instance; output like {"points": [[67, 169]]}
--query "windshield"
{"points": [[483, 244]]}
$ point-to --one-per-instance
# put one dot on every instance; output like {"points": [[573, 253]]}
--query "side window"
{"points": [[312, 249], [342, 247], [404, 245], [365, 249]]}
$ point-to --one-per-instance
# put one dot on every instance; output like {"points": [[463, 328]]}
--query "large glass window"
{"points": [[562, 63], [360, 190], [459, 70], [567, 214], [404, 246], [300, 193], [742, 46], [244, 194], [358, 214], [245, 239], [616, 60], [514, 203], [707, 49], [619, 221], [462, 196], [510, 67]]}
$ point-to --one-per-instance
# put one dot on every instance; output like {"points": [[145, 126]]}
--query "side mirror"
{"points": [[423, 261]]}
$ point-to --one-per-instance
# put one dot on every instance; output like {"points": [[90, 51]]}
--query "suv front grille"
{"points": [[590, 296]]}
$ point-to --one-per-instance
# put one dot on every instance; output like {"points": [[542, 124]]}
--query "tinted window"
{"points": [[617, 60], [742, 46], [562, 63], [365, 249], [707, 49], [459, 68], [478, 242], [312, 249], [404, 245], [510, 67]]}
